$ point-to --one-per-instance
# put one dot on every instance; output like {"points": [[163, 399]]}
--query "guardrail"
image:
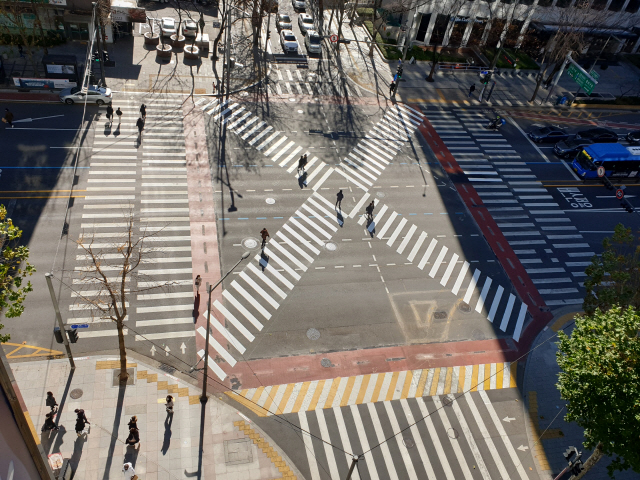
{"points": [[460, 66]]}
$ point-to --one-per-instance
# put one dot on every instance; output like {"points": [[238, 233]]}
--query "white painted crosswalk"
{"points": [[418, 438], [534, 224]]}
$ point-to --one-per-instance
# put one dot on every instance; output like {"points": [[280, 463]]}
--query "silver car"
{"points": [[190, 28], [168, 26], [284, 22], [305, 22], [288, 41], [313, 42], [95, 94], [299, 5]]}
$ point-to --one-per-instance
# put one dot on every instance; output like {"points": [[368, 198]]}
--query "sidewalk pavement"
{"points": [[513, 88], [234, 448], [546, 408]]}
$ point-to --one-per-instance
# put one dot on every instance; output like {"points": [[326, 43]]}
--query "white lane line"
{"points": [[427, 253], [387, 224], [289, 158], [507, 312], [306, 219], [520, 322], [396, 232], [438, 262], [377, 218], [269, 299], [233, 320], [299, 250], [344, 436], [263, 311], [309, 233], [240, 120], [483, 294], [406, 239], [279, 261], [449, 270], [318, 217], [274, 146], [328, 448], [260, 135], [282, 151], [495, 304], [248, 315], [455, 444], [355, 182], [460, 279], [216, 346], [417, 438], [267, 281], [472, 286], [359, 205], [308, 444], [214, 366], [435, 439], [416, 247], [384, 446], [253, 130], [395, 427], [505, 439]]}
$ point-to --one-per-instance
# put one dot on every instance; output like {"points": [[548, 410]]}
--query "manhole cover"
{"points": [[76, 393], [380, 194], [313, 334], [440, 315], [325, 362], [408, 442], [464, 307], [270, 201], [250, 243], [453, 433], [447, 402], [330, 246]]}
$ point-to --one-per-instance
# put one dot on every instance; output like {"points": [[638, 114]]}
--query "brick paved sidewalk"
{"points": [[234, 448], [546, 408]]}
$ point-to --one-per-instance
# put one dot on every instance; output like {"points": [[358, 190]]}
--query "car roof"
{"points": [[286, 31], [188, 20], [305, 15], [168, 19], [284, 15], [311, 33], [552, 128], [597, 130]]}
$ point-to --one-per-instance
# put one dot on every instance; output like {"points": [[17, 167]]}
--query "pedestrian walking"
{"points": [[49, 424], [302, 163], [133, 423], [20, 51], [8, 117], [51, 403], [472, 89], [110, 113], [264, 235], [119, 113], [198, 282], [80, 413], [140, 125], [339, 197], [133, 438], [392, 88], [129, 472], [143, 111], [80, 424], [169, 404], [369, 211]]}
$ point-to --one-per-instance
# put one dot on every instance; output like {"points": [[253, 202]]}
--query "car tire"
{"points": [[68, 101], [99, 103]]}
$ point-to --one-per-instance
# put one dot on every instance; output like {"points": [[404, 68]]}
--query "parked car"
{"points": [[95, 94], [189, 28], [313, 42], [548, 134], [299, 5], [599, 135], [167, 26], [284, 22], [288, 41], [305, 22], [634, 137], [571, 147]]}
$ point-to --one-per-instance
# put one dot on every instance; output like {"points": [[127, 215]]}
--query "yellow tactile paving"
{"points": [[354, 390]]}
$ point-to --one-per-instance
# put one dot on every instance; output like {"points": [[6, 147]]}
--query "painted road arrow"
{"points": [[153, 350], [183, 347], [166, 349], [28, 120], [508, 419], [523, 448]]}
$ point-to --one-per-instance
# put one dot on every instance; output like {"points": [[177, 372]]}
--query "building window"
{"points": [[422, 29], [77, 31]]}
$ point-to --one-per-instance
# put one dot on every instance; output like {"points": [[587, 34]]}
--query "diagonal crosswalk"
{"points": [[440, 437]]}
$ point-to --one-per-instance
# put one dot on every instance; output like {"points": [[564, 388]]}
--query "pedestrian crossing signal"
{"points": [[399, 72], [487, 78], [58, 335], [577, 468], [73, 335]]}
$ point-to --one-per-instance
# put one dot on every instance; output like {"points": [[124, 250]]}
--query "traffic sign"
{"points": [[619, 194], [333, 38], [80, 325], [581, 79], [594, 74], [601, 171]]}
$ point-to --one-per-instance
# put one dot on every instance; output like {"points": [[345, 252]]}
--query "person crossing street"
{"points": [[143, 111], [472, 89], [140, 125], [339, 197], [110, 113], [302, 163], [264, 234]]}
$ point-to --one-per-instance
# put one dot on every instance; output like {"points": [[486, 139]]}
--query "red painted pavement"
{"points": [[572, 121], [29, 97], [515, 271]]}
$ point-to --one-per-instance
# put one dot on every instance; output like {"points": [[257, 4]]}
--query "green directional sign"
{"points": [[594, 74], [581, 79]]}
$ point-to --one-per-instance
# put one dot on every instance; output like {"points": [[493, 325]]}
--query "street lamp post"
{"points": [[65, 340], [203, 397]]}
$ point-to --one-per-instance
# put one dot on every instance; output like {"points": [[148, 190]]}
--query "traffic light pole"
{"points": [[48, 276]]}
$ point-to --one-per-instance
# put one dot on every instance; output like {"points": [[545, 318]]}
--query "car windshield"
{"points": [[308, 21], [314, 39], [74, 90], [285, 19], [290, 38], [543, 131], [190, 26], [168, 23]]}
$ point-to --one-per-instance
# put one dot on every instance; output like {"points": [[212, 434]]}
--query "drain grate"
{"points": [[326, 363], [464, 307], [167, 368], [440, 315], [313, 334], [250, 243], [76, 393], [408, 442]]}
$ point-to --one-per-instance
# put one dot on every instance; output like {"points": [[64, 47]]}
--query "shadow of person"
{"points": [[116, 133], [167, 433], [302, 180], [196, 307], [131, 456], [340, 218], [107, 129], [58, 440], [264, 260], [77, 452]]}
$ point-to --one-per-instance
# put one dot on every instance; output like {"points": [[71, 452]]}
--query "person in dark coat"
{"points": [[472, 89], [8, 117], [82, 415], [51, 402], [133, 423], [140, 125], [49, 424], [143, 111], [110, 113], [119, 113], [134, 437], [80, 424]]}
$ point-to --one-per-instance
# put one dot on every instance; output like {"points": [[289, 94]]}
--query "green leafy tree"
{"points": [[600, 380], [13, 269], [614, 277]]}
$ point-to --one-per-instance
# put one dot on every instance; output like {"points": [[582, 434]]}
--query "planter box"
{"points": [[151, 39], [178, 41], [192, 52], [164, 53]]}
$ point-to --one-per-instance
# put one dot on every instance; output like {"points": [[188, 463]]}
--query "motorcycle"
{"points": [[496, 123]]}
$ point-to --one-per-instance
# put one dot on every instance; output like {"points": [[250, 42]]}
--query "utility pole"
{"points": [[205, 376], [65, 340], [228, 50], [557, 79]]}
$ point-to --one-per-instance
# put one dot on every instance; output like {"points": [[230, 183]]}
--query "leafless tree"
{"points": [[112, 275], [443, 26]]}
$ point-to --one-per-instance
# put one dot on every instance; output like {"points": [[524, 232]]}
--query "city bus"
{"points": [[617, 160]]}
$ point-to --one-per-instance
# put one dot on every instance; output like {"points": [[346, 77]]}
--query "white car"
{"points": [[288, 41], [284, 22], [305, 22], [95, 94], [299, 5], [189, 28], [313, 42], [168, 26]]}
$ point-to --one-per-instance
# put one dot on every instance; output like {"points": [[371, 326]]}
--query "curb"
{"points": [[564, 315]]}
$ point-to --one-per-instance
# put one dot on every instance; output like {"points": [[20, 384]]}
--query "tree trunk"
{"points": [[495, 59], [556, 69], [123, 352], [590, 463], [434, 62], [538, 83]]}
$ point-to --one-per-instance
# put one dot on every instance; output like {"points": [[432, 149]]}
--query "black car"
{"points": [[634, 137], [548, 135], [598, 135], [571, 147]]}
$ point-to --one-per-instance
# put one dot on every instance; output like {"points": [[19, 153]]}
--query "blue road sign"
{"points": [[80, 325]]}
